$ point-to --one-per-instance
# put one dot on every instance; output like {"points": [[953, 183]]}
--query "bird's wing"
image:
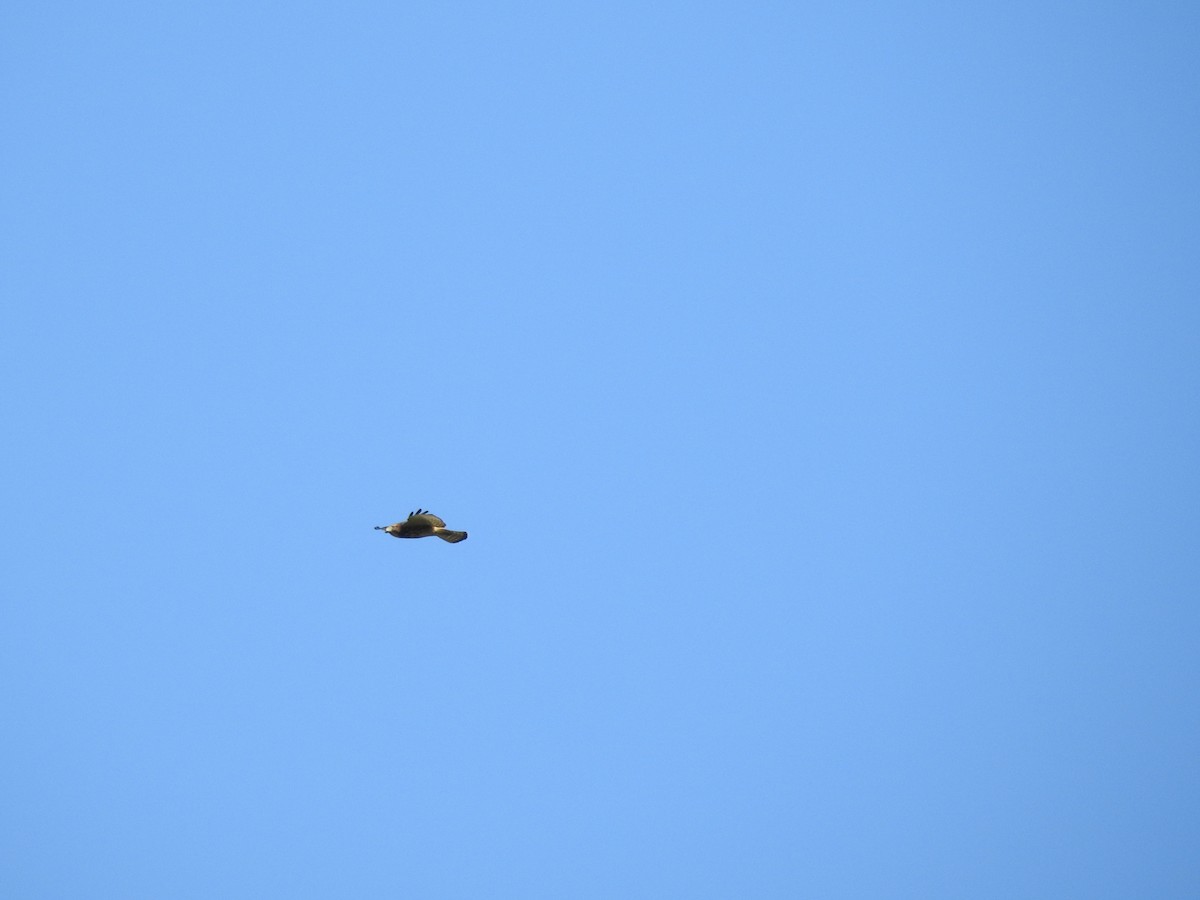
{"points": [[426, 518]]}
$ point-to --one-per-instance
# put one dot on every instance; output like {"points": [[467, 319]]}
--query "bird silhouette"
{"points": [[423, 523]]}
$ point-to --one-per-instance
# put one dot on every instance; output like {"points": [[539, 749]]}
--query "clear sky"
{"points": [[818, 383]]}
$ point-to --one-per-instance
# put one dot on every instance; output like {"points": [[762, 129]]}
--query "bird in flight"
{"points": [[423, 523]]}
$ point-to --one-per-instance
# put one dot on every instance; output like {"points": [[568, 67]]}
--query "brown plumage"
{"points": [[423, 523]]}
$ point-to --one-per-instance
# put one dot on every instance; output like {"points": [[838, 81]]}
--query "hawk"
{"points": [[423, 523]]}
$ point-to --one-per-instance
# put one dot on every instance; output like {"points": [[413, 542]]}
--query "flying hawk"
{"points": [[423, 523]]}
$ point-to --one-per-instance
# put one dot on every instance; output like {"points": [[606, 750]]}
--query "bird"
{"points": [[423, 523]]}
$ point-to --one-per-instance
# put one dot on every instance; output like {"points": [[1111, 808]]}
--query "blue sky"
{"points": [[818, 384]]}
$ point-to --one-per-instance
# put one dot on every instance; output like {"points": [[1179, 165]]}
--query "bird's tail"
{"points": [[452, 536]]}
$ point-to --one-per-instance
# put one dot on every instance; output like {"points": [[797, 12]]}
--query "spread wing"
{"points": [[425, 517]]}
